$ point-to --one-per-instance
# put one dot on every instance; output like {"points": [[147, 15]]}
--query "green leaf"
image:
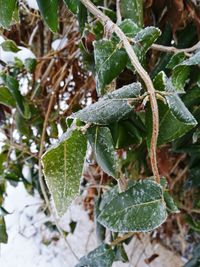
{"points": [[72, 5], [143, 41], [193, 60], [181, 69], [6, 97], [6, 12], [30, 64], [49, 11], [180, 77], [101, 141], [3, 233], [112, 107], [146, 37], [9, 45], [3, 158], [120, 254], [174, 118], [82, 16], [175, 60], [100, 229], [63, 166], [140, 208], [129, 27], [102, 256], [132, 9], [110, 61], [12, 84], [125, 133], [170, 205]]}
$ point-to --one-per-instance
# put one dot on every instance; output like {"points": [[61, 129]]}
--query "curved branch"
{"points": [[143, 74]]}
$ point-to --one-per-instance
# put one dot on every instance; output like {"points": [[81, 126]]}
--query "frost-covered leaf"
{"points": [[63, 166], [174, 118], [72, 5], [102, 256], [129, 27], [146, 37], [143, 41], [181, 69], [49, 11], [6, 12], [9, 45], [3, 233], [132, 9], [110, 61], [175, 60], [140, 208], [180, 77], [112, 107], [6, 97], [193, 60], [102, 144]]}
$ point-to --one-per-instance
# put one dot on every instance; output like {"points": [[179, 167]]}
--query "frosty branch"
{"points": [[143, 74]]}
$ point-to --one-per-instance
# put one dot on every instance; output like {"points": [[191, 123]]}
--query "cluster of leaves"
{"points": [[118, 126]]}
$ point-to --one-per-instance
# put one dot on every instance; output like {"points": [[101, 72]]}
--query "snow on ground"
{"points": [[26, 232], [32, 4]]}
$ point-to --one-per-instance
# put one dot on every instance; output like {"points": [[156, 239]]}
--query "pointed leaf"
{"points": [[110, 61], [49, 11], [140, 208], [174, 118], [6, 97], [9, 45], [175, 60], [30, 64], [63, 166], [102, 256], [120, 253], [112, 107], [147, 36], [102, 144], [6, 12], [143, 41]]}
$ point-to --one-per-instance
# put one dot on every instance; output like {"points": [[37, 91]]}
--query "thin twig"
{"points": [[121, 238], [178, 177], [143, 74], [119, 16], [172, 49]]}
